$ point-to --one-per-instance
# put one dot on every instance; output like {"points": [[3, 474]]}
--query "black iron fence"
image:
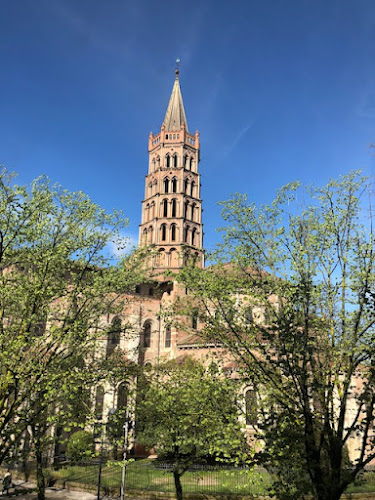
{"points": [[152, 476]]}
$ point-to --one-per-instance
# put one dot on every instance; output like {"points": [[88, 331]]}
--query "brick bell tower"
{"points": [[172, 207]]}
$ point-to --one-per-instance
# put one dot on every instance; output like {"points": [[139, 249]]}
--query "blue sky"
{"points": [[280, 90]]}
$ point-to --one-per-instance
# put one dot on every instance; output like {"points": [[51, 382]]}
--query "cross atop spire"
{"points": [[175, 115]]}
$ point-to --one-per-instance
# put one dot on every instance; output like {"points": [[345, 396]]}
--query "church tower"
{"points": [[172, 207]]}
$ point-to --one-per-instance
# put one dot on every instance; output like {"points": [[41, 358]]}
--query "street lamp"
{"points": [[126, 431]]}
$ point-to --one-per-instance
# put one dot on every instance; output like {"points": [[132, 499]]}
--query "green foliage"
{"points": [[80, 446], [190, 414], [305, 266], [58, 281]]}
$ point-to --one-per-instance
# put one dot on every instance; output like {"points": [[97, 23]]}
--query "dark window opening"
{"points": [[147, 334], [174, 185], [173, 233], [194, 320], [163, 232], [251, 407], [166, 185], [138, 289], [168, 336]]}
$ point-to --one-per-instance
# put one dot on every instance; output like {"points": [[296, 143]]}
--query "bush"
{"points": [[80, 446]]}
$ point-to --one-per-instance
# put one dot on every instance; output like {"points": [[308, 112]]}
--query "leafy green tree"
{"points": [[57, 282], [189, 413], [80, 445], [295, 307]]}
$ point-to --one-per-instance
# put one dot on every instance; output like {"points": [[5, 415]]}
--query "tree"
{"points": [[190, 414], [295, 307], [57, 283]]}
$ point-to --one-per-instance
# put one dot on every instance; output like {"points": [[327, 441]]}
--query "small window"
{"points": [[173, 232], [138, 289], [251, 407], [99, 400], [175, 161], [168, 161], [191, 163], [165, 208], [193, 233], [163, 232], [168, 336], [194, 320], [166, 185], [147, 334], [174, 204], [174, 185], [192, 188]]}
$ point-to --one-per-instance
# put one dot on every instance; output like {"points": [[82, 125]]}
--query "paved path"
{"points": [[51, 493]]}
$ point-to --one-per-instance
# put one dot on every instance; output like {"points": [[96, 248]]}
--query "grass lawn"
{"points": [[145, 475]]}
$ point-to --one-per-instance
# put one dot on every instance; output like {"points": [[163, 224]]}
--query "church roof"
{"points": [[175, 115]]}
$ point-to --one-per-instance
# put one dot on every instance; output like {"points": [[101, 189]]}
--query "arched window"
{"points": [[99, 400], [147, 333], [191, 163], [185, 161], [166, 185], [192, 188], [174, 207], [150, 234], [114, 334], [186, 234], [175, 161], [193, 233], [161, 258], [163, 229], [186, 186], [165, 207], [168, 336], [147, 212], [122, 396], [144, 237], [168, 161], [186, 209], [152, 210], [174, 185], [192, 211], [173, 232], [251, 407]]}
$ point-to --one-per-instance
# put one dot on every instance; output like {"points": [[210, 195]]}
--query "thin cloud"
{"points": [[240, 134]]}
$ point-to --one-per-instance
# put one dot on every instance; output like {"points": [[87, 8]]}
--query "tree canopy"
{"points": [[292, 298], [58, 281], [190, 414]]}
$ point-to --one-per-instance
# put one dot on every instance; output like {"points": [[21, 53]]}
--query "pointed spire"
{"points": [[175, 115]]}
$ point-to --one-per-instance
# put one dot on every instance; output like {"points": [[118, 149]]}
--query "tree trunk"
{"points": [[177, 483], [41, 484]]}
